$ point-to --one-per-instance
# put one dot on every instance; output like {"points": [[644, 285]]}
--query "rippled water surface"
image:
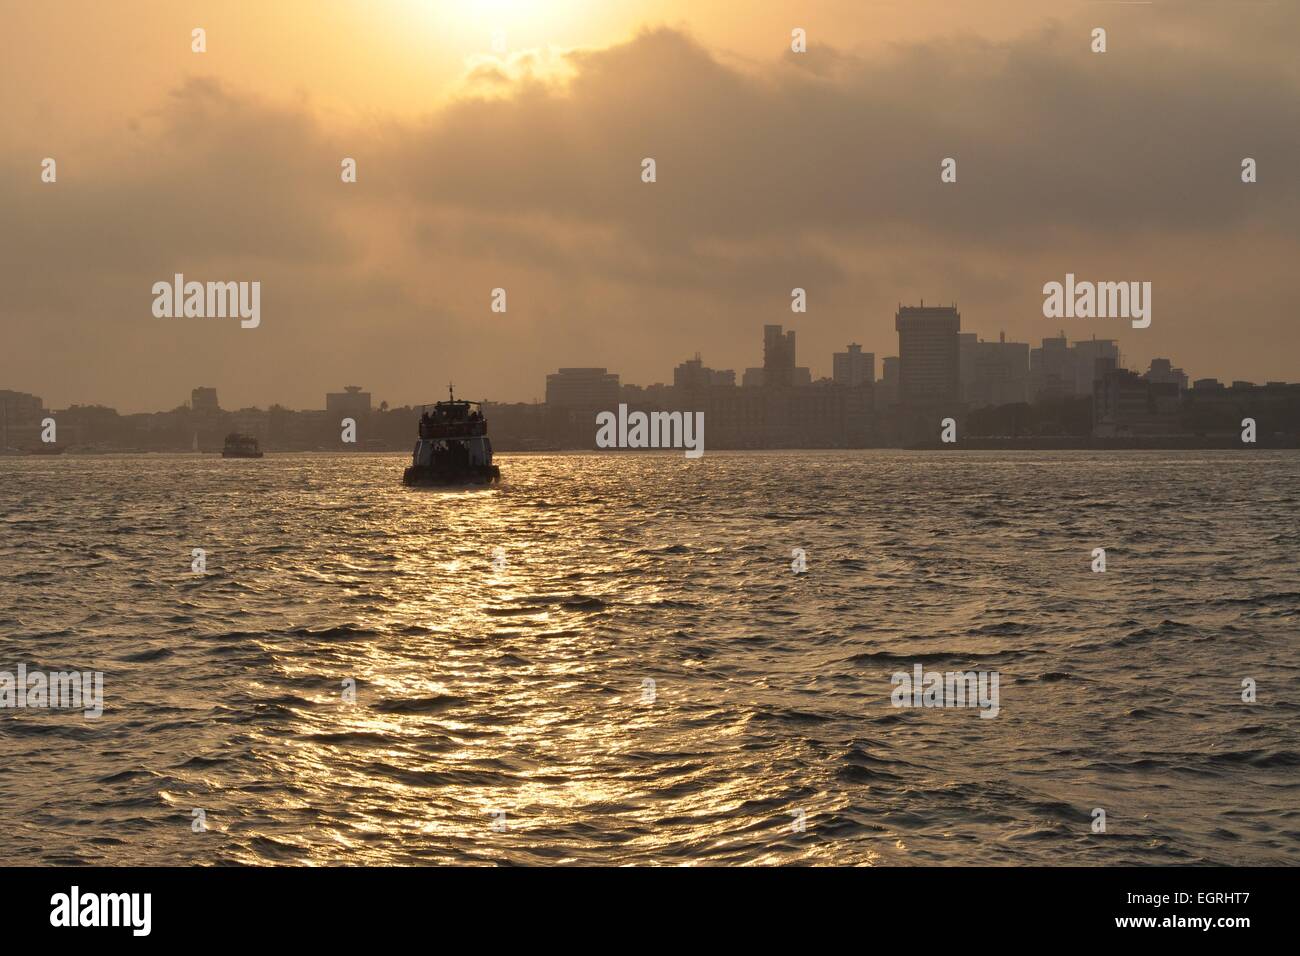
{"points": [[504, 714]]}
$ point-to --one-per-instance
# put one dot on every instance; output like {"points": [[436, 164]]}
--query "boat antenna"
{"points": [[451, 396]]}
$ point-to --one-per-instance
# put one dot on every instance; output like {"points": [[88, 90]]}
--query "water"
{"points": [[521, 690]]}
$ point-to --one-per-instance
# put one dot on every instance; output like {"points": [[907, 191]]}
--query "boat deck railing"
{"points": [[453, 429]]}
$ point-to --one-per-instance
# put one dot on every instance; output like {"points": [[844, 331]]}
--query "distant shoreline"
{"points": [[982, 445]]}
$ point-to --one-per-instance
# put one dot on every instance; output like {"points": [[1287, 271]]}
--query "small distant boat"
{"points": [[241, 446], [453, 447], [50, 449]]}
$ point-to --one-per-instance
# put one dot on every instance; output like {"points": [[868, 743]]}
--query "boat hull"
{"points": [[241, 454], [422, 476]]}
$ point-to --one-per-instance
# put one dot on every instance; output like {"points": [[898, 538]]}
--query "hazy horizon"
{"points": [[521, 170]]}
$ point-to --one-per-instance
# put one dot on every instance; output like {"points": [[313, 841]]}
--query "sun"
{"points": [[503, 9], [496, 18]]}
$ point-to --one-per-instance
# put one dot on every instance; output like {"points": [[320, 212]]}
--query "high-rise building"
{"points": [[993, 373], [693, 374], [20, 418], [887, 387], [753, 378], [1060, 370], [20, 408], [967, 346], [1051, 371], [929, 365], [1086, 353], [1162, 370], [349, 403], [778, 357], [854, 367], [583, 389], [204, 400]]}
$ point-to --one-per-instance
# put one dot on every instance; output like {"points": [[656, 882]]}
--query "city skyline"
{"points": [[999, 391], [815, 374]]}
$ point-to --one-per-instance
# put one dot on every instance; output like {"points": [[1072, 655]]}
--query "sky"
{"points": [[499, 144]]}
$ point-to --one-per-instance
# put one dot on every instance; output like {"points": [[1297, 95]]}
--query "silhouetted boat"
{"points": [[44, 449], [241, 446], [453, 447]]}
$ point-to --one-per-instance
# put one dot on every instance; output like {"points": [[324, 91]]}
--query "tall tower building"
{"points": [[778, 357], [929, 362], [351, 403], [854, 367], [888, 386], [204, 400]]}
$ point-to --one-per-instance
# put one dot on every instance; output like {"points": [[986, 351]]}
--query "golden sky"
{"points": [[519, 168]]}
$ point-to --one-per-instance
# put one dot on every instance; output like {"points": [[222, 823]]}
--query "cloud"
{"points": [[1043, 138]]}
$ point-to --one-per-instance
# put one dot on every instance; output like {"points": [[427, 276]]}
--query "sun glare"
{"points": [[495, 19]]}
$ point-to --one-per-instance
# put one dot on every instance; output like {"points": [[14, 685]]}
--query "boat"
{"points": [[453, 447], [241, 446], [47, 449]]}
